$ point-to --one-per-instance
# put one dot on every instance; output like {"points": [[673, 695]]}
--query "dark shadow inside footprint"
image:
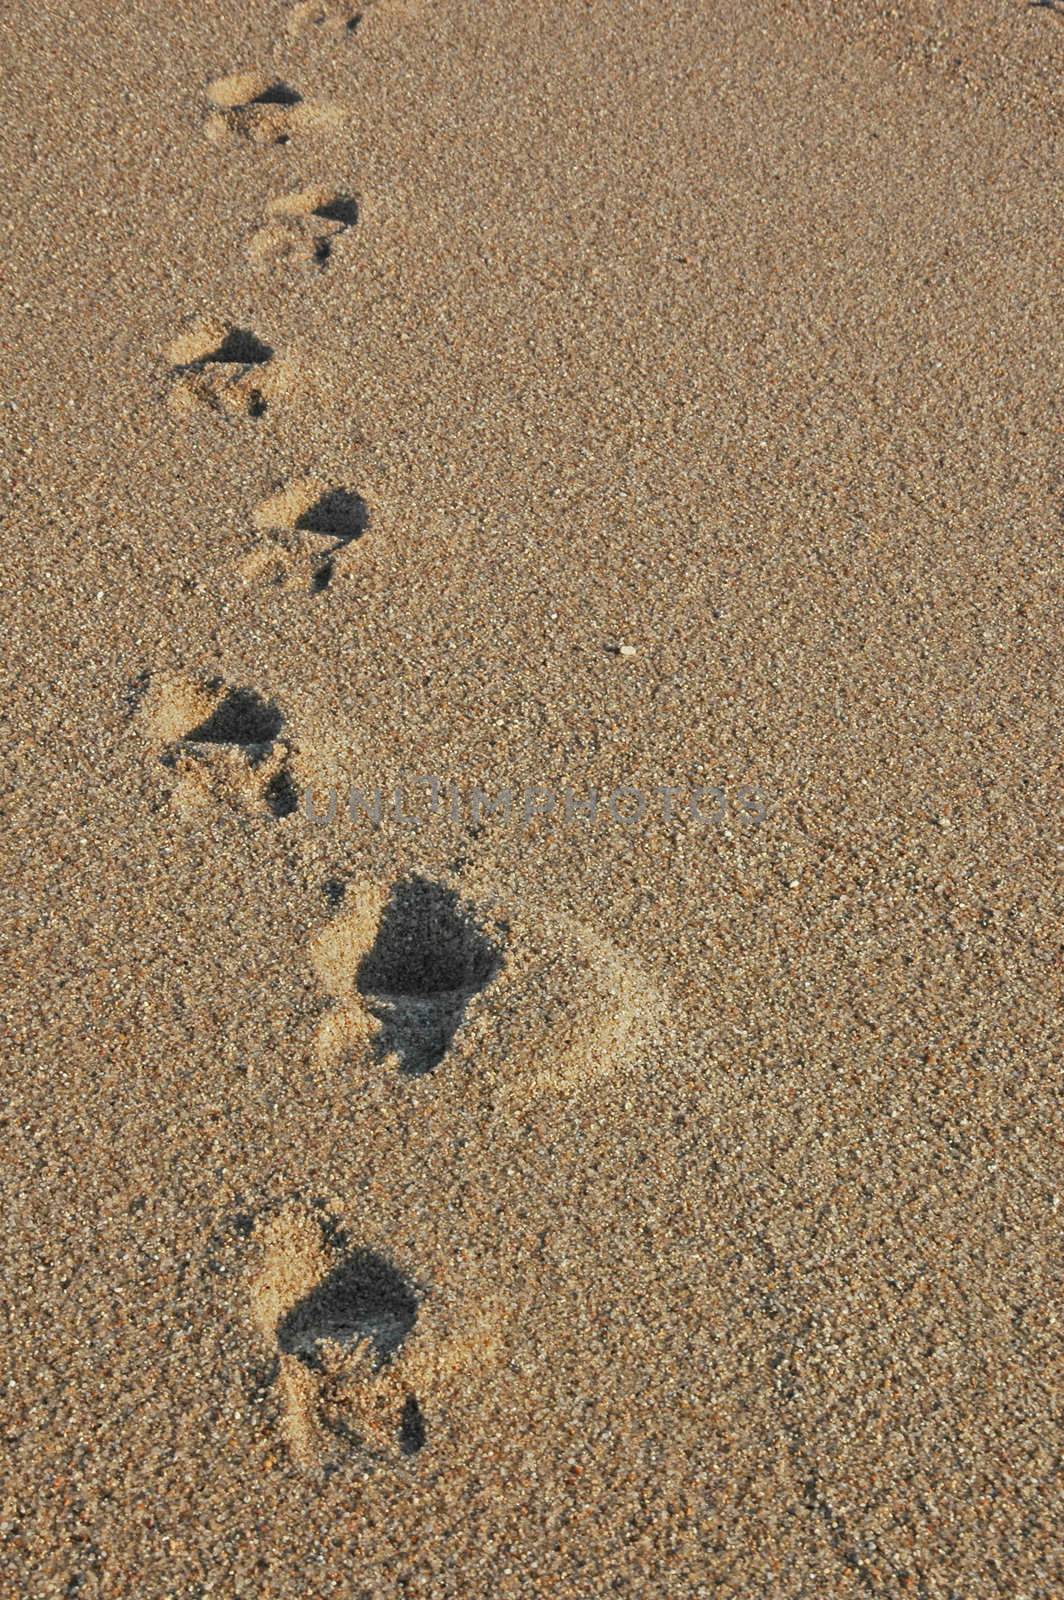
{"points": [[240, 717], [339, 514], [240, 347], [278, 94], [339, 209], [364, 1298], [428, 960]]}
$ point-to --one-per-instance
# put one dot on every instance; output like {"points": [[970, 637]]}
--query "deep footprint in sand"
{"points": [[227, 369], [308, 527], [222, 743], [517, 1001], [403, 968], [338, 1318], [252, 108], [303, 229]]}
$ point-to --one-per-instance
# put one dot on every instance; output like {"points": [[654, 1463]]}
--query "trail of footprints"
{"points": [[415, 979], [420, 981]]}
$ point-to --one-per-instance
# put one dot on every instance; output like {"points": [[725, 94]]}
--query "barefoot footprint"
{"points": [[339, 16], [330, 16], [403, 968], [222, 743], [308, 527], [255, 109], [362, 1348], [523, 1002], [227, 369], [303, 228]]}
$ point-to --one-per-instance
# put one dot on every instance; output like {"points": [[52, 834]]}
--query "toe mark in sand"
{"points": [[411, 1427], [427, 962]]}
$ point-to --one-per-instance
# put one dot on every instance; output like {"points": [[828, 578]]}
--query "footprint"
{"points": [[417, 975], [402, 969], [225, 368], [339, 17], [221, 742], [303, 227], [330, 16], [308, 526], [357, 1343], [256, 109]]}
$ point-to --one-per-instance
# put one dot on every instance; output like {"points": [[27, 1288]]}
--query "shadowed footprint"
{"points": [[302, 228], [222, 741], [225, 368], [242, 717], [427, 962], [308, 528], [344, 1325], [256, 109]]}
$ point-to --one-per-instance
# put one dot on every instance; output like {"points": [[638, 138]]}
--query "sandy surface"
{"points": [[481, 1206]]}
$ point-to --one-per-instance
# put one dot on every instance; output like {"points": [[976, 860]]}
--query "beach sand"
{"points": [[454, 1203]]}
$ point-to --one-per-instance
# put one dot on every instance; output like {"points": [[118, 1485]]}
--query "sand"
{"points": [[440, 1202]]}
